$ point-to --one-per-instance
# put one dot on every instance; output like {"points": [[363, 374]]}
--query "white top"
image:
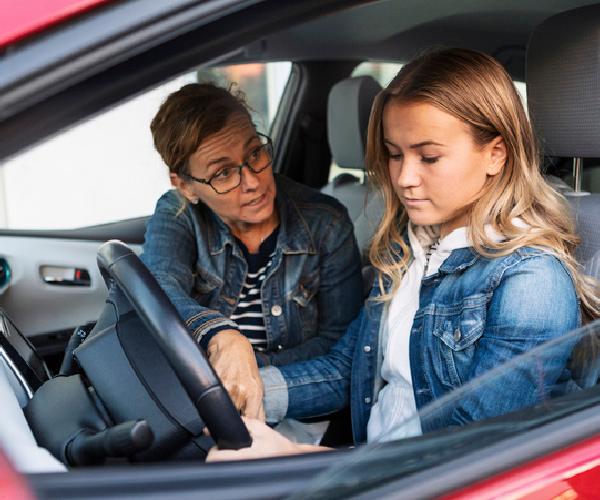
{"points": [[394, 415]]}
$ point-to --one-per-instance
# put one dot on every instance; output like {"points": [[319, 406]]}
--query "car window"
{"points": [[106, 169], [377, 463]]}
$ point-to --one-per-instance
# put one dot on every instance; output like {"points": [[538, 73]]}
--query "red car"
{"points": [[79, 82]]}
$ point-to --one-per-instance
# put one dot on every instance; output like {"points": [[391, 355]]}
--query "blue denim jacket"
{"points": [[196, 260], [475, 313]]}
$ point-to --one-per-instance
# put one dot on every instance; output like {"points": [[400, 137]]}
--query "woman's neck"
{"points": [[252, 235]]}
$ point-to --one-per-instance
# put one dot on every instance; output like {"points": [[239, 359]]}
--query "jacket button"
{"points": [[367, 400], [367, 348], [280, 347], [276, 310], [456, 335]]}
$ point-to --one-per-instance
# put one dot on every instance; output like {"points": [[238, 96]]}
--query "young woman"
{"points": [[475, 265], [251, 261]]}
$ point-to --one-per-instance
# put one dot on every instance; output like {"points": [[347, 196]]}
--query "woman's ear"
{"points": [[183, 187], [497, 156]]}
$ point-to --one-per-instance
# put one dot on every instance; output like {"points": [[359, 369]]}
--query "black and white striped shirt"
{"points": [[248, 314]]}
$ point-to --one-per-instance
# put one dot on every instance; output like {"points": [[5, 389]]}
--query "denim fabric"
{"points": [[474, 314], [311, 292]]}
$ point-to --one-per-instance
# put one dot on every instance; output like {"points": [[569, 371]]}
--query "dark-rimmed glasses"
{"points": [[229, 177]]}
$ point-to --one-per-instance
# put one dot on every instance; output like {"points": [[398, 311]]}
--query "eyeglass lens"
{"points": [[229, 178]]}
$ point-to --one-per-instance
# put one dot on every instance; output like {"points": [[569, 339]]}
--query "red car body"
{"points": [[573, 472], [19, 20]]}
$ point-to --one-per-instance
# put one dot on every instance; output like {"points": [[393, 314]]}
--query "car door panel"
{"points": [[38, 305]]}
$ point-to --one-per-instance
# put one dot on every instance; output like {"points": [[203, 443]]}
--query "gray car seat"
{"points": [[563, 94], [348, 110]]}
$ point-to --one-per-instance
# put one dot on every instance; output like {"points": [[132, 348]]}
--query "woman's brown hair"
{"points": [[189, 116]]}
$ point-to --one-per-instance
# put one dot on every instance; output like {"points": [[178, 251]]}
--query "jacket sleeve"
{"points": [[534, 303], [315, 387], [170, 254], [339, 296]]}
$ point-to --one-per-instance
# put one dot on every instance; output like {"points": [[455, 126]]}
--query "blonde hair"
{"points": [[476, 89]]}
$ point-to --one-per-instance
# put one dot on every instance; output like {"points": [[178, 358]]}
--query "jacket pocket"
{"points": [[303, 309], [305, 291], [456, 329]]}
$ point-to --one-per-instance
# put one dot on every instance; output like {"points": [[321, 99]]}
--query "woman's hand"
{"points": [[232, 357], [265, 443]]}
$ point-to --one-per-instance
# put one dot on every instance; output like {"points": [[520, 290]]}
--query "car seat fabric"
{"points": [[586, 209], [367, 221], [348, 110], [562, 83], [563, 63], [16, 438]]}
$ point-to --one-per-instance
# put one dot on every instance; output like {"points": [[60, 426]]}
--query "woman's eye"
{"points": [[429, 159], [254, 154], [224, 173], [396, 157]]}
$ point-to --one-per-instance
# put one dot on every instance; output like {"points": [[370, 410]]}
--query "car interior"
{"points": [[119, 381]]}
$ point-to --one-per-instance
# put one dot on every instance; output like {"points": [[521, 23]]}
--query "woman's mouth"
{"points": [[414, 202], [256, 201]]}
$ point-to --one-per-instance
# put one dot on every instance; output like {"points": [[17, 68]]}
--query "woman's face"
{"points": [[253, 201], [436, 169]]}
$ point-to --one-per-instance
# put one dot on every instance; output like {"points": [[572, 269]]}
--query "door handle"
{"points": [[65, 276]]}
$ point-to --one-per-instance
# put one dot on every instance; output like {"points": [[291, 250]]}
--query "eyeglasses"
{"points": [[230, 177]]}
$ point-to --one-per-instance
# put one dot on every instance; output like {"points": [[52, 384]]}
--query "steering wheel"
{"points": [[120, 265]]}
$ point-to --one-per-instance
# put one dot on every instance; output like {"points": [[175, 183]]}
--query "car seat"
{"points": [[348, 110], [564, 105], [563, 95]]}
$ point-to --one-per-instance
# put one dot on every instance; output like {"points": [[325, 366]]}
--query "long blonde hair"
{"points": [[476, 89]]}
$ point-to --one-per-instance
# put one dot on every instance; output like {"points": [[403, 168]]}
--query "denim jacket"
{"points": [[315, 268], [474, 314]]}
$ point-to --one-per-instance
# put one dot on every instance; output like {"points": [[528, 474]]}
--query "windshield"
{"points": [[373, 465]]}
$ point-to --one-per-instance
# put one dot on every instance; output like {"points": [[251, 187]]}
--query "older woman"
{"points": [[256, 265]]}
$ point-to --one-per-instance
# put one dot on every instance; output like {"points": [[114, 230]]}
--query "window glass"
{"points": [[522, 90], [106, 169], [382, 72]]}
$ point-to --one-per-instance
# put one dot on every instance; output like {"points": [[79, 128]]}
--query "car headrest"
{"points": [[348, 110], [563, 83]]}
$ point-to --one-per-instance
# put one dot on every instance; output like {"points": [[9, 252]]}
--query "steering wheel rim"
{"points": [[118, 264]]}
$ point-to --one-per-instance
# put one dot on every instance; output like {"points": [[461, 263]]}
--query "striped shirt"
{"points": [[248, 314]]}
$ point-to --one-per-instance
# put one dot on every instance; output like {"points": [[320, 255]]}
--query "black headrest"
{"points": [[348, 110], [563, 83]]}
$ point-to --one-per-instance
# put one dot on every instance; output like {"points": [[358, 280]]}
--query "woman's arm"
{"points": [[340, 293], [170, 253], [315, 387], [535, 302]]}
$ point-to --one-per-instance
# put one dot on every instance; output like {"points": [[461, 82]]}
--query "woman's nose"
{"points": [[408, 174], [250, 180]]}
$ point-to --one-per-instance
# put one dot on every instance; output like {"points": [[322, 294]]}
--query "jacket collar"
{"points": [[294, 234], [459, 259]]}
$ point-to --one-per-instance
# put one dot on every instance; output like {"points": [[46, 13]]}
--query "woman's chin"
{"points": [[421, 219], [251, 216]]}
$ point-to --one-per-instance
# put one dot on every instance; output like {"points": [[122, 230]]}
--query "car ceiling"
{"points": [[395, 30]]}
